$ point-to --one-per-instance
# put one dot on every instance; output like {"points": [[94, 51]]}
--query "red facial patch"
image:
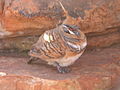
{"points": [[71, 29]]}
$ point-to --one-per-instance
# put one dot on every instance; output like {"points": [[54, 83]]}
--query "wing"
{"points": [[51, 46]]}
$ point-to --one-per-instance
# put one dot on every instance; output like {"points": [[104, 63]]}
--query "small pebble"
{"points": [[3, 74]]}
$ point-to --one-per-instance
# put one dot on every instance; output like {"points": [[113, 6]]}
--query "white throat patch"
{"points": [[83, 45]]}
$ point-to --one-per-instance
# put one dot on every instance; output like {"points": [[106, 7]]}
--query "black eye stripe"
{"points": [[71, 30], [65, 30]]}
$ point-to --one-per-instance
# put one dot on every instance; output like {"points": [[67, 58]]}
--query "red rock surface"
{"points": [[20, 18], [95, 70], [99, 19]]}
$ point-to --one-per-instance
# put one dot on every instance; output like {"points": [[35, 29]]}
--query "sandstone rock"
{"points": [[98, 19], [94, 41], [18, 16], [104, 40], [95, 70], [22, 18]]}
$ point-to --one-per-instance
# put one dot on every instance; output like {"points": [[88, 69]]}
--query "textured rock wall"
{"points": [[95, 70], [20, 20]]}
